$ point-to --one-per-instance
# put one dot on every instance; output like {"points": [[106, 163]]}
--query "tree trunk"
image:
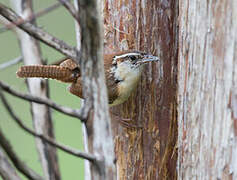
{"points": [[40, 113], [207, 103], [150, 152], [98, 126]]}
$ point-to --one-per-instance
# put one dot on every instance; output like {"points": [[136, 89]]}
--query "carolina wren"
{"points": [[122, 73]]}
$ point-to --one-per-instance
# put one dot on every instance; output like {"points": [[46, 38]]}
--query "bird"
{"points": [[123, 70]]}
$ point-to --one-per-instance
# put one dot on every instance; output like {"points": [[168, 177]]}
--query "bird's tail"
{"points": [[47, 71]]}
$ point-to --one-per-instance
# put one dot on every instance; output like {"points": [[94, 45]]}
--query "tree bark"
{"points": [[207, 94], [40, 113], [150, 152], [98, 126], [87, 170]]}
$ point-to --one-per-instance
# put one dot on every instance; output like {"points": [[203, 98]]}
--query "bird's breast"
{"points": [[129, 80]]}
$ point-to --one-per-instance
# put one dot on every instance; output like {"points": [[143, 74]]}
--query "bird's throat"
{"points": [[129, 78]]}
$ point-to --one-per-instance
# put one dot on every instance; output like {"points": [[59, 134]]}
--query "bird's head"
{"points": [[129, 65], [134, 59], [126, 70]]}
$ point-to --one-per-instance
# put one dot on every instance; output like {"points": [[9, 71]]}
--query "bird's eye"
{"points": [[132, 57], [114, 62]]}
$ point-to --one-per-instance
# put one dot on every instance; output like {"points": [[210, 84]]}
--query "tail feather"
{"points": [[47, 71]]}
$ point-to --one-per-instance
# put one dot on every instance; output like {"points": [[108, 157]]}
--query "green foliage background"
{"points": [[67, 130]]}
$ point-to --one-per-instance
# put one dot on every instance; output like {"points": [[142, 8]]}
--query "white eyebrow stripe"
{"points": [[124, 55]]}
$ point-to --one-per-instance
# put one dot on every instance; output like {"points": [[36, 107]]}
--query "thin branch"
{"points": [[48, 140], [20, 165], [31, 18], [5, 22], [11, 62], [39, 34], [7, 171], [46, 101], [41, 115], [70, 8]]}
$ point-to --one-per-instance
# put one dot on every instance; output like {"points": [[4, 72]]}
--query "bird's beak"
{"points": [[148, 58]]}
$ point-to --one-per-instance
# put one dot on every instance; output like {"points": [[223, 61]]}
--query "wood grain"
{"points": [[150, 152]]}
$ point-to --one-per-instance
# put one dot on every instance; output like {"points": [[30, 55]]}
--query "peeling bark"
{"points": [[207, 94], [40, 113], [98, 126], [150, 152]]}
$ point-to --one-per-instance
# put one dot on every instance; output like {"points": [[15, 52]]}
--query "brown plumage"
{"points": [[122, 72], [67, 71]]}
